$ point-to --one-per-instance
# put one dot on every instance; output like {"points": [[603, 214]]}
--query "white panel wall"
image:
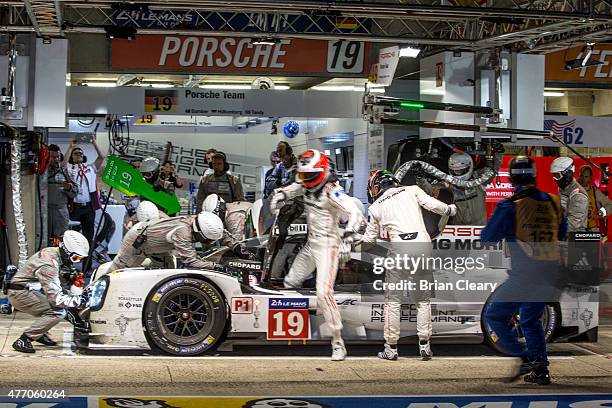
{"points": [[50, 83], [457, 72], [528, 91]]}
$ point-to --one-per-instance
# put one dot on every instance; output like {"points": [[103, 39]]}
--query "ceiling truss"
{"points": [[536, 26]]}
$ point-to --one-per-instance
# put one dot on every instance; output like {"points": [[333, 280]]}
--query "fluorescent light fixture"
{"points": [[161, 85], [264, 41], [281, 87], [377, 90], [334, 88], [554, 93], [327, 152], [338, 151], [225, 86], [100, 84], [410, 52]]}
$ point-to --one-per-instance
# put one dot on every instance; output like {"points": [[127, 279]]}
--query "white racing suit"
{"points": [[396, 217], [235, 219], [323, 210], [42, 268]]}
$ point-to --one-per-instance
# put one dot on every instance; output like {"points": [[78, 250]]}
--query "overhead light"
{"points": [[338, 151], [410, 52], [281, 87], [554, 94], [327, 152], [161, 85], [99, 84], [225, 86], [334, 88], [585, 61], [344, 88], [433, 92], [127, 33], [264, 41]]}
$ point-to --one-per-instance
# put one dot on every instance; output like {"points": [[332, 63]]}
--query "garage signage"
{"points": [[577, 131], [255, 22], [288, 319], [239, 55], [250, 102], [555, 65]]}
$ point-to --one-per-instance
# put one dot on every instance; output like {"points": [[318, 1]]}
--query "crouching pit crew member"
{"points": [[532, 224], [44, 269], [395, 215], [176, 236], [324, 201]]}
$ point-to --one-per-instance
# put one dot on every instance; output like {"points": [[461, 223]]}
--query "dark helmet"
{"points": [[380, 181], [522, 171]]}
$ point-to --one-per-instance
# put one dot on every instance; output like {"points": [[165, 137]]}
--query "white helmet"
{"points": [[461, 165], [214, 204], [74, 245], [147, 211], [560, 164], [207, 226], [149, 165], [562, 169]]}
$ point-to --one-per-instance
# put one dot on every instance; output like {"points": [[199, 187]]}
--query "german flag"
{"points": [[346, 23]]}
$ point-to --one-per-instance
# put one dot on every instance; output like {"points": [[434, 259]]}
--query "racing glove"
{"points": [[77, 280], [452, 210], [602, 212], [278, 201]]}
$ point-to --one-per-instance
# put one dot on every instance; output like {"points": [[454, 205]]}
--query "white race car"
{"points": [[189, 312]]}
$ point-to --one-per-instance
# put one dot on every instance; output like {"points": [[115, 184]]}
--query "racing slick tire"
{"points": [[185, 316], [550, 320]]}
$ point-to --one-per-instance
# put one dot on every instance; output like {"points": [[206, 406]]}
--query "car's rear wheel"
{"points": [[550, 320], [185, 316]]}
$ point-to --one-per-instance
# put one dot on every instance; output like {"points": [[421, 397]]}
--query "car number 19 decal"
{"points": [[288, 319]]}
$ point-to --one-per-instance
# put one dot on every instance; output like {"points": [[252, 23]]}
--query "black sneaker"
{"points": [[46, 340], [539, 376], [525, 368], [24, 345]]}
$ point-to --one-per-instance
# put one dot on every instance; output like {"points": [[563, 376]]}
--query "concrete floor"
{"points": [[284, 371]]}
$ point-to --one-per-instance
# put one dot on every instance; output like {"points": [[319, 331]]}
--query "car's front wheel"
{"points": [[550, 320], [185, 316]]}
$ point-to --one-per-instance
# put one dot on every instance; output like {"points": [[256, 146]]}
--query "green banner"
{"points": [[127, 179]]}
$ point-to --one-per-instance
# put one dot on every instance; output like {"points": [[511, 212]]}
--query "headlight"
{"points": [[98, 292]]}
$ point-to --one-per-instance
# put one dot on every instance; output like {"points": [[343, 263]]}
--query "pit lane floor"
{"points": [[294, 370]]}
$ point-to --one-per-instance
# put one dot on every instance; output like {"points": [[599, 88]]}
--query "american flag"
{"points": [[556, 127]]}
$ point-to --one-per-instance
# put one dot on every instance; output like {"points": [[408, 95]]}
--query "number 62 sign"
{"points": [[288, 319]]}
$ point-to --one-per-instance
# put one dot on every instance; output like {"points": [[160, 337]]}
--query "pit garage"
{"points": [[227, 109]]}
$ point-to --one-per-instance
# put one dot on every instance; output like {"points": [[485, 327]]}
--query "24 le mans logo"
{"points": [[566, 131]]}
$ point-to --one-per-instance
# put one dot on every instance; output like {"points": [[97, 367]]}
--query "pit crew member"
{"points": [[396, 216], [574, 199], [44, 269], [176, 236], [532, 224], [324, 201], [599, 203]]}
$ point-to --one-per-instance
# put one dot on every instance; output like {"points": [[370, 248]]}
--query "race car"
{"points": [[190, 312]]}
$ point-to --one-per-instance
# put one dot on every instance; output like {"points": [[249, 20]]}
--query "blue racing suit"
{"points": [[532, 224]]}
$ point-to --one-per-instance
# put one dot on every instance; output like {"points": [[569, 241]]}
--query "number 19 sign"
{"points": [[288, 319]]}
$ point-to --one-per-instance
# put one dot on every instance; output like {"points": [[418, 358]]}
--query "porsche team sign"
{"points": [[237, 55]]}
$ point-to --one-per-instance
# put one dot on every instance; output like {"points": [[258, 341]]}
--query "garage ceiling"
{"points": [[537, 26]]}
